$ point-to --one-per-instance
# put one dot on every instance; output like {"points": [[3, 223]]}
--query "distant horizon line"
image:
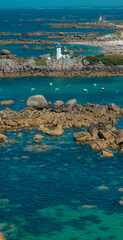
{"points": [[67, 7]]}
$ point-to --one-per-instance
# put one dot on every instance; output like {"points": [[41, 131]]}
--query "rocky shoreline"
{"points": [[53, 119], [11, 66]]}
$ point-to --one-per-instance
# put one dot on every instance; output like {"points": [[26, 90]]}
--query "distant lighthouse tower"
{"points": [[100, 19], [58, 52]]}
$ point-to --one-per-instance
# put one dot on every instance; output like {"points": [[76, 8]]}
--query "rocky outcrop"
{"points": [[63, 65], [53, 119], [58, 106], [100, 137], [37, 101], [68, 67], [5, 52], [3, 115]]}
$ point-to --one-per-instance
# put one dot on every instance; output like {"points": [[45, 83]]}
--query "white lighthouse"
{"points": [[58, 52], [100, 19]]}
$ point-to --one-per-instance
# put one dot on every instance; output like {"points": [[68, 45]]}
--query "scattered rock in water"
{"points": [[38, 137], [25, 47], [103, 187], [7, 102], [19, 135], [55, 132], [3, 138], [88, 206], [39, 149], [37, 101], [107, 153], [2, 236], [22, 100], [121, 202], [25, 157], [38, 48], [120, 189]]}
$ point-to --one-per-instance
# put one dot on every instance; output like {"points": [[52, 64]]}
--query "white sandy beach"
{"points": [[112, 46]]}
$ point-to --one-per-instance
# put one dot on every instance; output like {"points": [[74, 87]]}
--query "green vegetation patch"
{"points": [[107, 60], [41, 62], [118, 33], [119, 22]]}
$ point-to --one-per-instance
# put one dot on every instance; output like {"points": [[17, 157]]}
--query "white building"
{"points": [[58, 52], [100, 19]]}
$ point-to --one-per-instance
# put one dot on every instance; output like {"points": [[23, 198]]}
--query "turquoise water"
{"points": [[30, 52], [49, 190]]}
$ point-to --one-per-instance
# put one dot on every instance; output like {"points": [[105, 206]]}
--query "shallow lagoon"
{"points": [[50, 191]]}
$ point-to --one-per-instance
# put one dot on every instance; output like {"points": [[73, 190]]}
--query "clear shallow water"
{"points": [[44, 187], [30, 52]]}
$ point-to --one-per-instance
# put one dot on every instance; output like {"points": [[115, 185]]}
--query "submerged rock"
{"points": [[2, 236], [2, 137], [107, 153], [19, 135], [37, 101], [7, 102], [38, 137]]}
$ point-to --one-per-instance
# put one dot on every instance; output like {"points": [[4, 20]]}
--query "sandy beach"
{"points": [[110, 47]]}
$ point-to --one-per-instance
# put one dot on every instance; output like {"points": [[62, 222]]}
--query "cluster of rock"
{"points": [[28, 41], [52, 119], [87, 25], [62, 67], [24, 34], [17, 66], [101, 137]]}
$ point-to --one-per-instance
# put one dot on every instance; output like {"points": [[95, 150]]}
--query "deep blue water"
{"points": [[45, 190]]}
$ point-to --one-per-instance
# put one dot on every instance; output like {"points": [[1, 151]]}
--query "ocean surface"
{"points": [[54, 194]]}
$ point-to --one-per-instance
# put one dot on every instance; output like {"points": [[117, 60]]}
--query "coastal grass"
{"points": [[41, 62], [118, 33], [119, 22], [107, 60]]}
